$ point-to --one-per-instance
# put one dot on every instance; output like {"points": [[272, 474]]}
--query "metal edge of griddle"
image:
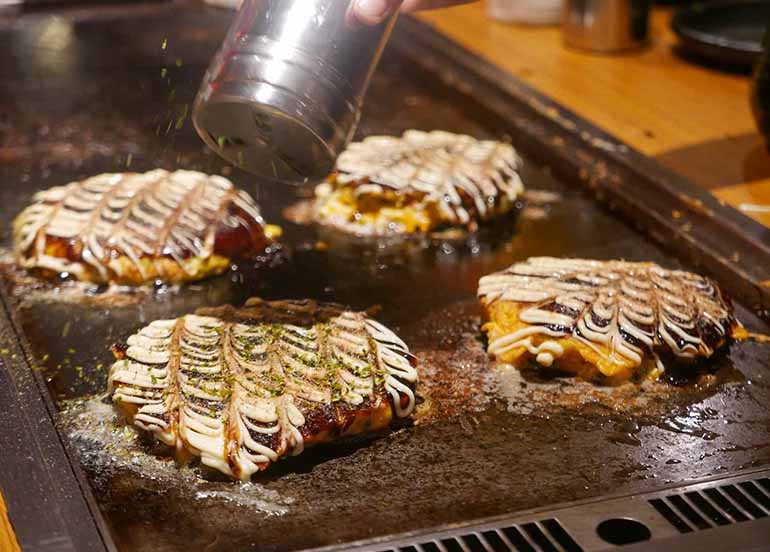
{"points": [[50, 505], [673, 211], [580, 520]]}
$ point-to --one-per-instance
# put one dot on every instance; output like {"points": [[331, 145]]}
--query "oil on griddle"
{"points": [[117, 92]]}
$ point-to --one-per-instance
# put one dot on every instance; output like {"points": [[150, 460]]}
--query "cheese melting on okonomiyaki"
{"points": [[133, 229], [240, 395], [610, 320], [417, 183]]}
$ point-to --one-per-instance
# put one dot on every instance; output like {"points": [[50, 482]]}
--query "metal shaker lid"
{"points": [[263, 140]]}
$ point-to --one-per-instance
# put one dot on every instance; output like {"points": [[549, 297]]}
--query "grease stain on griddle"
{"points": [[103, 441], [28, 291]]}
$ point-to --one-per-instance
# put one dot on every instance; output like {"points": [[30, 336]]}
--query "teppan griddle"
{"points": [[492, 460]]}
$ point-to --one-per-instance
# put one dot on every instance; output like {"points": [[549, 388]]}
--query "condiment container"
{"points": [[606, 26], [283, 95]]}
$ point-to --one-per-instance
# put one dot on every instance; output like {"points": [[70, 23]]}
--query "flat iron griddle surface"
{"points": [[80, 97]]}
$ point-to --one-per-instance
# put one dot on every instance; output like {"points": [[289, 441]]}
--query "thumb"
{"points": [[372, 12]]}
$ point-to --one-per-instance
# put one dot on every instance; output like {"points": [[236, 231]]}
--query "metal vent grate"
{"points": [[664, 516], [715, 506], [538, 536]]}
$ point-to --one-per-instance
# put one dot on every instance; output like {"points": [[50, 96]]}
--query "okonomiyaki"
{"points": [[418, 183], [610, 321], [133, 229], [241, 388]]}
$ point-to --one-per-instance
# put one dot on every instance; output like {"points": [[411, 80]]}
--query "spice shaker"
{"points": [[606, 26], [282, 97]]}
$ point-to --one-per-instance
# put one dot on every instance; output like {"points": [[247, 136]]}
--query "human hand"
{"points": [[372, 12]]}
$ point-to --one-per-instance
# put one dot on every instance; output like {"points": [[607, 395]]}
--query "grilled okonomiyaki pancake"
{"points": [[245, 388], [418, 183], [133, 229], [609, 321]]}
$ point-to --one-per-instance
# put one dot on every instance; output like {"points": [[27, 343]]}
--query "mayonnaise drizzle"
{"points": [[455, 172], [110, 217], [234, 394], [628, 309]]}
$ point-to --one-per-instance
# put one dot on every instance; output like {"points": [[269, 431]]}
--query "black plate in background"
{"points": [[724, 32]]}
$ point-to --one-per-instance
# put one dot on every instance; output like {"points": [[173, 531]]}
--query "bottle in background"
{"points": [[606, 26], [532, 12]]}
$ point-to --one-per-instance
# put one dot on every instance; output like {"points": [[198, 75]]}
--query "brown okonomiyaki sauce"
{"points": [[241, 243]]}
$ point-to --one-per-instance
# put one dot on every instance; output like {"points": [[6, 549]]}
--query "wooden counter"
{"points": [[693, 119]]}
